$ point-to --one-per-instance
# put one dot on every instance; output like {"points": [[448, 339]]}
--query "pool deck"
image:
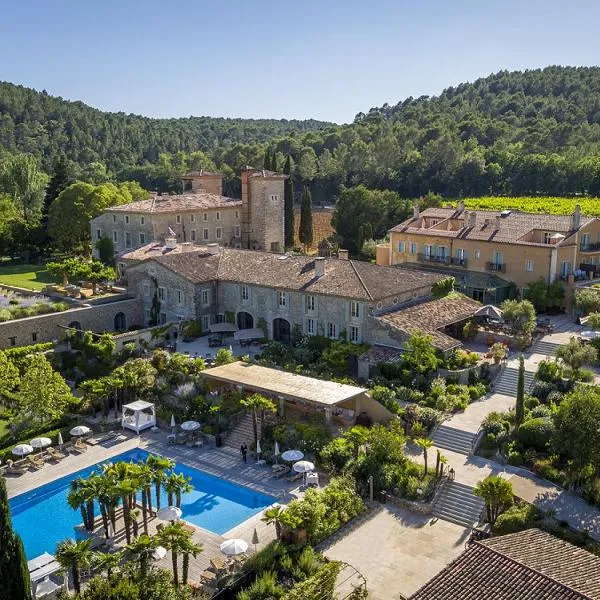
{"points": [[222, 462]]}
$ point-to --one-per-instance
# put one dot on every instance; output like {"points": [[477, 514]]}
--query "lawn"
{"points": [[31, 277]]}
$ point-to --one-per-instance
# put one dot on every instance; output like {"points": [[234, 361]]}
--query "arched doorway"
{"points": [[245, 320], [120, 322], [282, 331]]}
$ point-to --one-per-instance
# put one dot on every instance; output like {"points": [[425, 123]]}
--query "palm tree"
{"points": [[107, 561], [76, 499], [188, 548], [257, 405], [122, 475], [273, 516], [73, 556], [176, 485], [142, 549], [143, 481], [497, 493], [179, 541], [158, 465], [424, 444]]}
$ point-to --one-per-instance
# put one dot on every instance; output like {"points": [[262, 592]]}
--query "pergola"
{"points": [[138, 415]]}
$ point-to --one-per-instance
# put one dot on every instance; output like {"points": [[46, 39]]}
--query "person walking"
{"points": [[244, 451]]}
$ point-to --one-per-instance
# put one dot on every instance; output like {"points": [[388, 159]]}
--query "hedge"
{"points": [[321, 585], [536, 433]]}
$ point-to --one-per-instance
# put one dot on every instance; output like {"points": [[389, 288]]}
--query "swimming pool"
{"points": [[43, 518]]}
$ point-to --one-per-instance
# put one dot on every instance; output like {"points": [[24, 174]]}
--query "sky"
{"points": [[327, 59]]}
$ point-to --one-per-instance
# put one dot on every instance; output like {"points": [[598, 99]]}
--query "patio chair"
{"points": [[55, 454], [36, 463], [80, 445], [281, 473], [295, 477], [12, 469]]}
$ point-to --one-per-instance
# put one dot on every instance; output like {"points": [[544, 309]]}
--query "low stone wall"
{"points": [[461, 374], [421, 508], [51, 327]]}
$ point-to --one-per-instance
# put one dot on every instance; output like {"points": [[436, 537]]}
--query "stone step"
{"points": [[509, 380], [453, 439], [547, 348], [458, 504], [242, 433]]}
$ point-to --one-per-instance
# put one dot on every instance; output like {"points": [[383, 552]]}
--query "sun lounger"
{"points": [[207, 576], [279, 473], [35, 462], [12, 469], [295, 477], [79, 445], [55, 454], [218, 564]]}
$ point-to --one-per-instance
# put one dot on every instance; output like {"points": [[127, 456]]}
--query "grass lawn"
{"points": [[31, 277]]}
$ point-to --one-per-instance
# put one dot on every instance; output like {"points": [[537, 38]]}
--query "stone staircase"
{"points": [[457, 504], [508, 380], [243, 433], [453, 439], [546, 348]]}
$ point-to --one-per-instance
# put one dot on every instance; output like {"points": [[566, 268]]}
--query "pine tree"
{"points": [[267, 161], [274, 165], [520, 407], [62, 178], [14, 573], [289, 202], [368, 232], [306, 225]]}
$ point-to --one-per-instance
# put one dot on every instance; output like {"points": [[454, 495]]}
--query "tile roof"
{"points": [[156, 249], [177, 203], [512, 227], [377, 354], [201, 173], [529, 565], [343, 278], [265, 174], [432, 315]]}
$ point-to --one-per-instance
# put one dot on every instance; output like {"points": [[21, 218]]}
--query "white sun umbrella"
{"points": [[59, 440], [45, 587], [80, 430], [234, 547], [292, 455], [22, 450], [190, 425], [303, 466], [40, 442], [159, 553], [258, 448], [276, 451], [173, 424], [169, 513]]}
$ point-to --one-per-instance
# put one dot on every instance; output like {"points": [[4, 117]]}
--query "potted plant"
{"points": [[498, 352]]}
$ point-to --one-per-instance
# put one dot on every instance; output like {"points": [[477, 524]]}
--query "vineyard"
{"points": [[321, 224], [536, 204]]}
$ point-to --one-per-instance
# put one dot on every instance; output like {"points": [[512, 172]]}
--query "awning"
{"points": [[249, 334], [222, 328]]}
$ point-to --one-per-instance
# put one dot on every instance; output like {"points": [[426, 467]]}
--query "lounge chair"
{"points": [[295, 477], [79, 445], [207, 576], [55, 454], [279, 473], [36, 463], [218, 564], [12, 469]]}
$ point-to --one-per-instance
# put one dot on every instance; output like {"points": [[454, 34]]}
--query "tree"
{"points": [[587, 300], [497, 493], [257, 405], [288, 194], [14, 573], [9, 377], [224, 356], [142, 548], [176, 539], [443, 287], [520, 406], [576, 355], [520, 315], [74, 556], [158, 466], [420, 354], [68, 269], [306, 224], [273, 516], [63, 176], [107, 561], [43, 394], [96, 272], [424, 444], [545, 296], [177, 484], [106, 250]]}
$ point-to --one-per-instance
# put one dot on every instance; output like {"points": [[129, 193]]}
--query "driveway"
{"points": [[399, 551]]}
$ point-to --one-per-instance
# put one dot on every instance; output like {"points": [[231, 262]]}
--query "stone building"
{"points": [[202, 215]]}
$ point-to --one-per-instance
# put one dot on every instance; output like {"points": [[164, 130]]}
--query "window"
{"points": [[115, 237], [332, 331], [193, 235], [147, 312], [427, 250], [237, 214], [162, 294], [146, 290], [219, 233], [547, 236], [476, 254], [98, 234], [244, 293], [162, 318], [142, 239], [354, 334], [401, 246], [114, 218], [180, 297], [127, 239], [461, 256], [12, 341], [178, 219], [205, 323], [192, 218], [237, 231], [205, 216], [281, 299], [498, 259], [274, 197], [354, 310], [529, 266], [413, 247], [218, 216], [565, 269], [142, 220], [205, 234], [311, 326], [310, 303], [205, 297], [127, 219], [34, 337]]}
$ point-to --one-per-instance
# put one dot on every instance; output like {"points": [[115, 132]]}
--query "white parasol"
{"points": [[59, 440], [40, 442], [190, 425], [234, 547], [80, 430], [303, 466], [173, 424], [22, 450], [169, 513], [292, 455], [276, 451], [159, 553], [258, 448]]}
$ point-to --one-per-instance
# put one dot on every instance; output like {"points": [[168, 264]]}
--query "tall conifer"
{"points": [[306, 225], [289, 202]]}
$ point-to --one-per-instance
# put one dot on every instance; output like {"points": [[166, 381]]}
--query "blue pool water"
{"points": [[43, 518]]}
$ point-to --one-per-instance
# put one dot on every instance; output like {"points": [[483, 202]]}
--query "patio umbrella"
{"points": [[292, 455], [159, 553], [59, 440], [276, 451], [169, 513], [190, 425], [45, 587], [489, 310], [40, 442], [255, 539], [173, 424], [589, 335], [234, 547], [258, 448], [303, 466], [22, 450], [80, 430]]}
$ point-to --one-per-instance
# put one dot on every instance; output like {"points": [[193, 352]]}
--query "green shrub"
{"points": [[429, 417], [264, 586], [536, 433], [407, 394], [192, 330], [541, 411], [542, 389], [531, 402], [516, 518], [555, 397], [585, 375], [477, 391], [545, 468], [515, 458], [549, 371]]}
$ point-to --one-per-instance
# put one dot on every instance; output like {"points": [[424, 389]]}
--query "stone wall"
{"points": [[46, 328]]}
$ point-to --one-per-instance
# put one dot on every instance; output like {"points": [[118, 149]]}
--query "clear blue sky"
{"points": [[326, 59]]}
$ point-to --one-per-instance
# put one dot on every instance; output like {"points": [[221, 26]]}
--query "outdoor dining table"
{"points": [[312, 479]]}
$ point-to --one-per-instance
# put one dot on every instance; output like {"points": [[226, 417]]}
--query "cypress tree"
{"points": [[62, 178], [267, 161], [14, 574], [520, 407], [306, 225], [288, 202], [368, 232]]}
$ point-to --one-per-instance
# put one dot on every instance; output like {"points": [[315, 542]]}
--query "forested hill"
{"points": [[47, 126]]}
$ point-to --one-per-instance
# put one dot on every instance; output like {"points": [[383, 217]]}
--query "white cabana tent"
{"points": [[249, 334], [138, 415]]}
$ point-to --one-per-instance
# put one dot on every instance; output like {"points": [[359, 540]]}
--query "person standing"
{"points": [[244, 451]]}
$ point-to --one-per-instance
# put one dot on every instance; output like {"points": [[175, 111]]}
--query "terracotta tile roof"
{"points": [[432, 315], [529, 565], [378, 354], [342, 278], [266, 174], [156, 249], [201, 173], [512, 227], [177, 203]]}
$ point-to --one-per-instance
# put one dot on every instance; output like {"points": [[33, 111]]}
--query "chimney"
{"points": [[415, 210], [319, 266], [343, 254], [497, 221], [577, 217], [460, 206], [472, 219], [212, 248], [170, 243]]}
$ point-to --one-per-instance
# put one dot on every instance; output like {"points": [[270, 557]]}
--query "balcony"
{"points": [[589, 247], [495, 267], [441, 260], [457, 261]]}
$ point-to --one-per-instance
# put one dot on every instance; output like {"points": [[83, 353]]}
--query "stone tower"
{"points": [[202, 181], [262, 210]]}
